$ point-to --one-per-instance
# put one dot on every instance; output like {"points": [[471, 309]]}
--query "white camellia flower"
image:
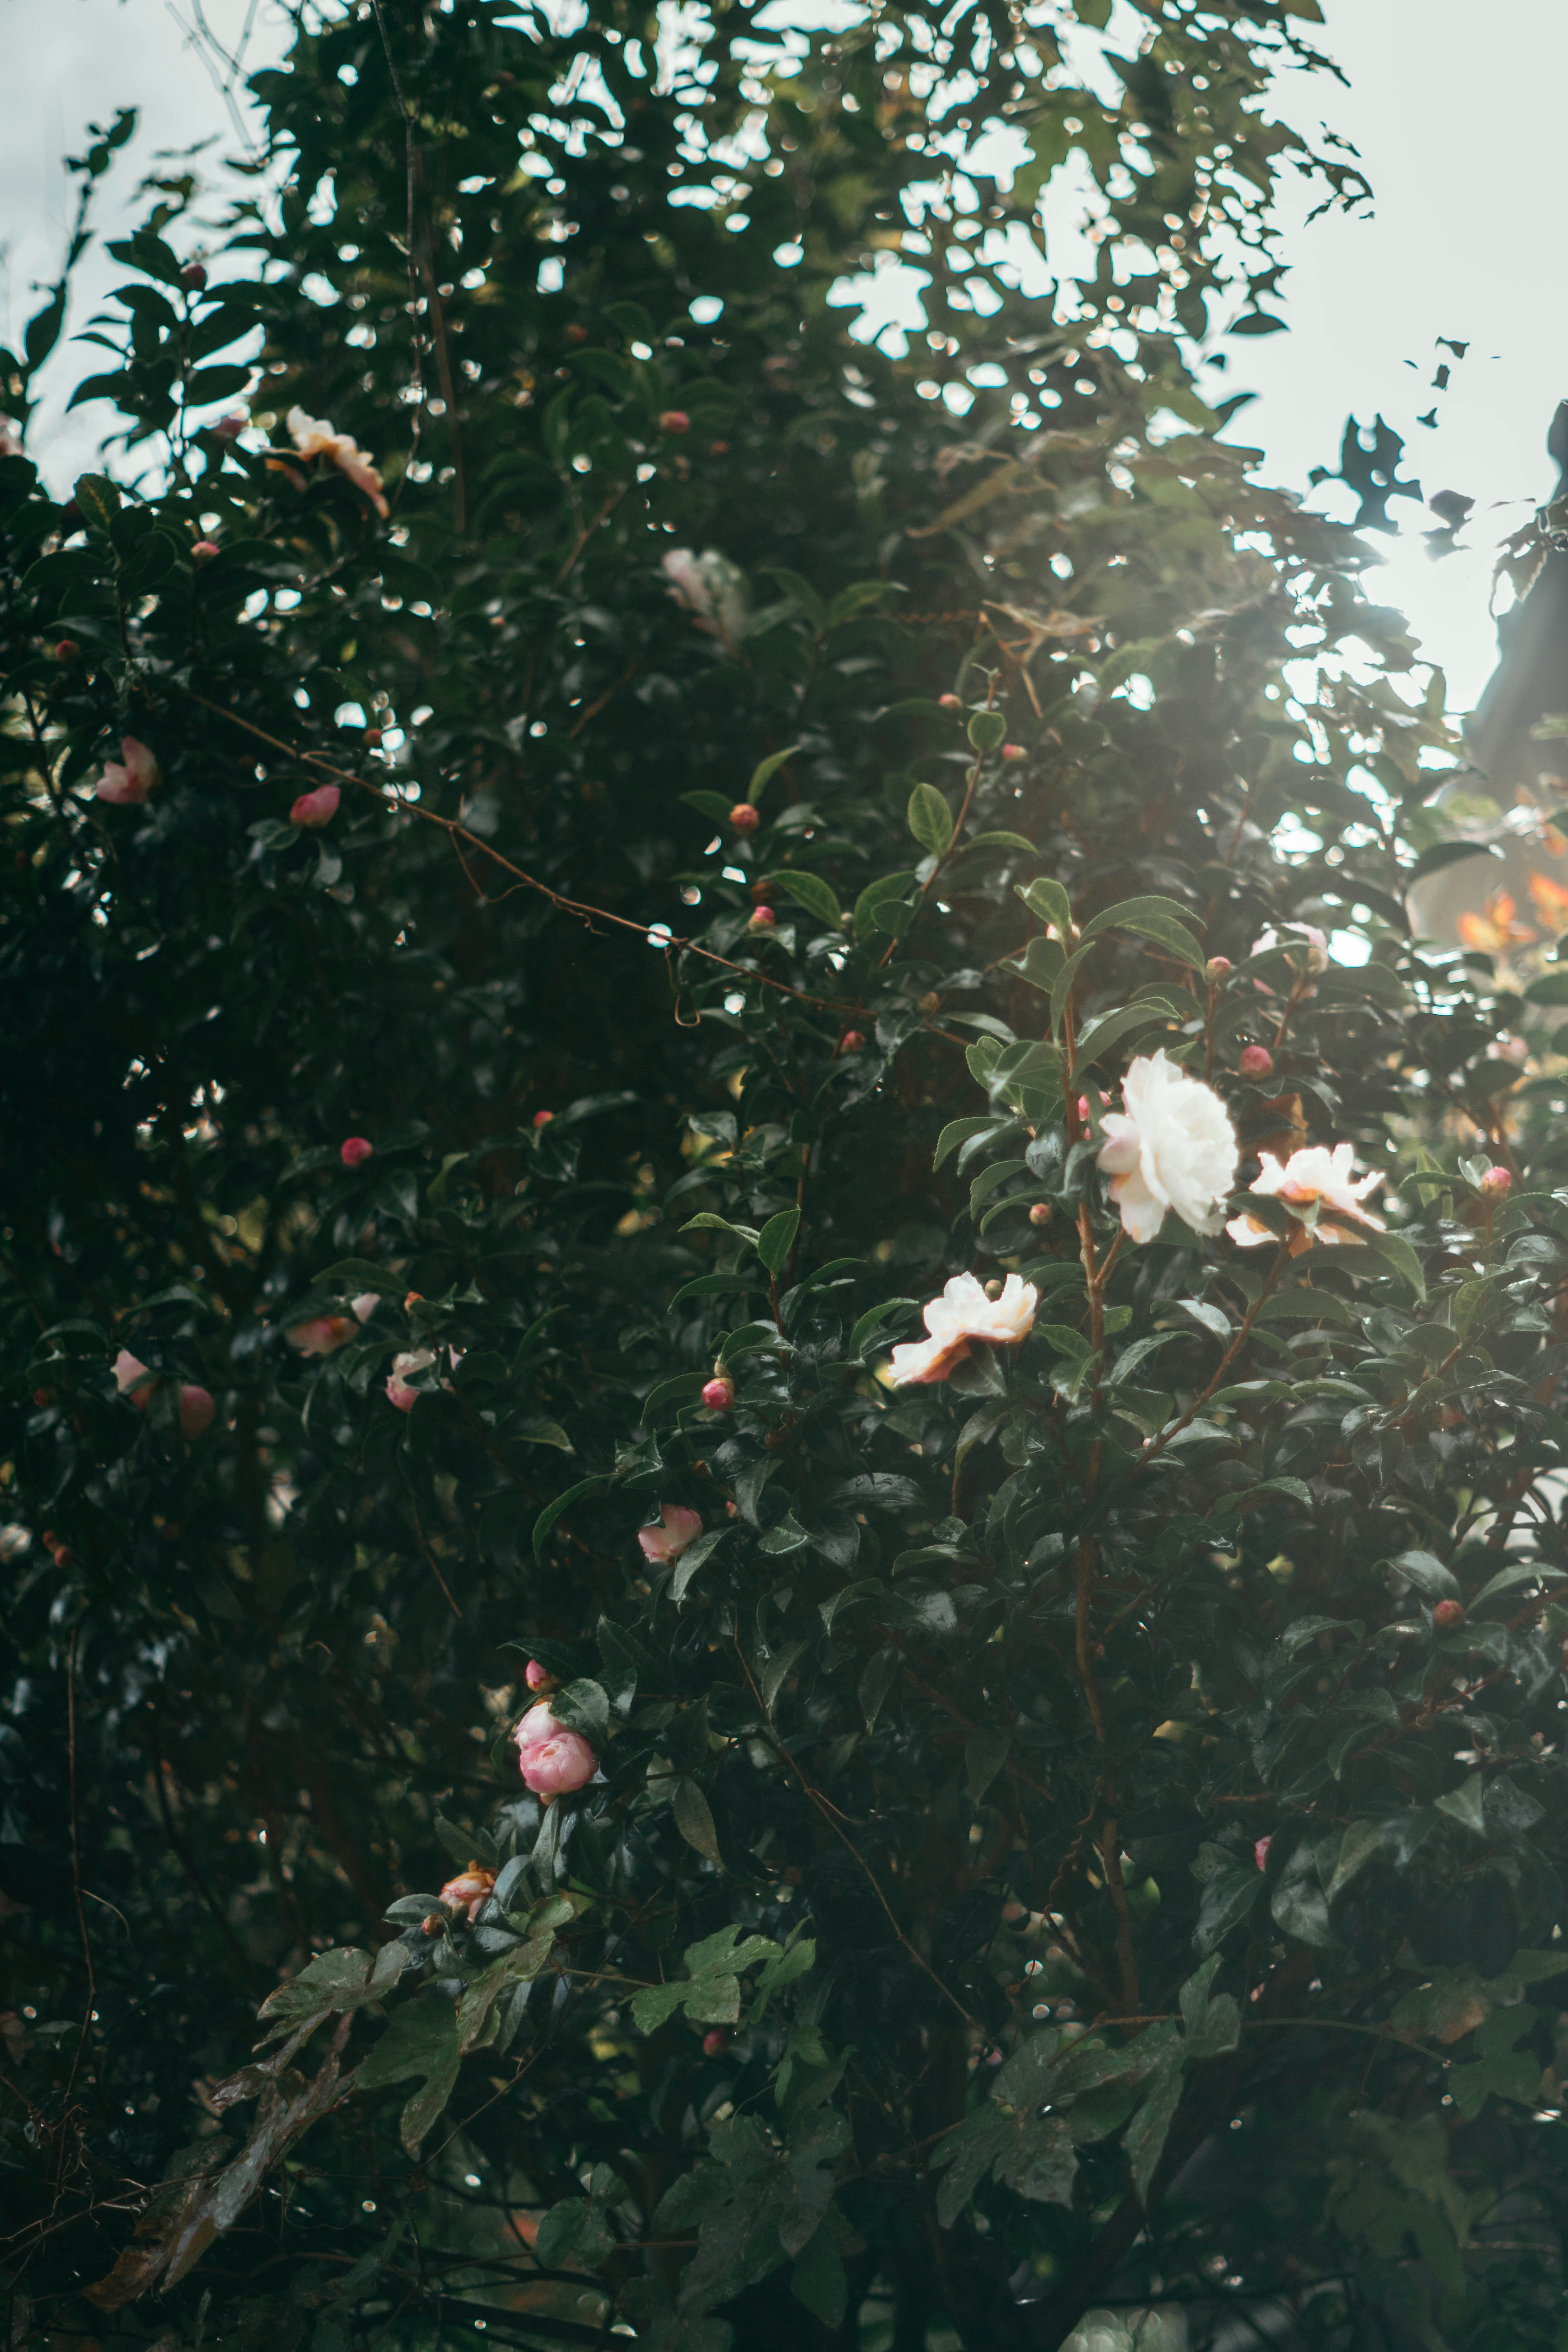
{"points": [[1173, 1147], [963, 1313], [313, 437], [1318, 1176]]}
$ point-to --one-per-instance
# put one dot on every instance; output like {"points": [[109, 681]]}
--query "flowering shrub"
{"points": [[954, 1833]]}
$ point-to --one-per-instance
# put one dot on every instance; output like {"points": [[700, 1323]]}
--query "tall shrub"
{"points": [[718, 1460]]}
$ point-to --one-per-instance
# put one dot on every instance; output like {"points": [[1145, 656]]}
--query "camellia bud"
{"points": [[314, 809], [1040, 1214], [432, 1924], [717, 1395], [1014, 751], [354, 1148], [1447, 1614], [744, 817], [674, 420], [42, 1397], [1216, 967], [994, 1289], [1496, 1185], [715, 2041], [470, 1890], [928, 1004], [197, 1411], [194, 275], [1257, 1061], [372, 739], [577, 335], [1260, 1852], [538, 1677], [763, 919], [718, 448], [851, 1042], [950, 702], [542, 1118], [203, 551], [66, 650]]}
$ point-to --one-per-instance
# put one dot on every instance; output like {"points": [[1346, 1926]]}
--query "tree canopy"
{"points": [[781, 1441]]}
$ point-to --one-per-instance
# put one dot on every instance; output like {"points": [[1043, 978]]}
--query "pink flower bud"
{"points": [[470, 1890], [354, 1148], [320, 1334], [194, 275], [66, 650], [763, 919], [562, 1764], [679, 1528], [744, 817], [715, 2041], [133, 1379], [718, 448], [1496, 1185], [203, 551], [398, 1390], [126, 782], [1447, 1614], [372, 739], [316, 808], [197, 1411], [851, 1042], [1257, 1061], [1216, 967], [1014, 751], [950, 702], [1260, 1852], [542, 1118], [538, 1677], [229, 428], [1040, 1214], [432, 1924], [674, 420], [717, 1395]]}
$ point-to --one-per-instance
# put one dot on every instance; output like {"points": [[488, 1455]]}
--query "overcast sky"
{"points": [[1458, 126]]}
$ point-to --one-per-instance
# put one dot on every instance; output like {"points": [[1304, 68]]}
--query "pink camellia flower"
{"points": [[963, 1313], [666, 1543], [398, 1390], [1260, 1850], [133, 1379], [197, 1411], [316, 808], [1256, 1062], [553, 1759], [1320, 1184], [1171, 1147], [1496, 1185], [314, 437], [763, 919], [470, 1890], [1297, 935], [717, 1395], [126, 782], [319, 1335], [538, 1677], [353, 1150], [203, 551]]}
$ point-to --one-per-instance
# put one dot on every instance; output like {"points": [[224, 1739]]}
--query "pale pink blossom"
{"points": [[364, 1304], [133, 1379], [1261, 1850], [126, 782], [197, 1411], [536, 1726], [314, 437], [470, 1890], [538, 1677], [320, 1334], [1319, 1182], [1495, 1186], [399, 1392], [963, 1313], [558, 1765], [666, 1543], [316, 808], [1297, 935], [1173, 1147]]}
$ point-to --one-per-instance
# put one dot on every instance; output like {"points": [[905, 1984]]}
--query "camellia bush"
{"points": [[783, 1467]]}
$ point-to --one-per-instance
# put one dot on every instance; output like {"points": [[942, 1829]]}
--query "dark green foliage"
{"points": [[1115, 1682]]}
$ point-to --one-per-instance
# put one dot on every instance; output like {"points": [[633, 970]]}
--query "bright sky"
{"points": [[1459, 136]]}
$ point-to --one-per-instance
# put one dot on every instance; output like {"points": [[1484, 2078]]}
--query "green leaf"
{"points": [[1465, 1804], [810, 891], [1397, 1252], [553, 1511], [889, 890], [710, 805], [707, 1222], [765, 771], [421, 2039], [983, 1757], [1361, 1841], [958, 1130], [987, 729], [1163, 920], [929, 819], [1428, 1574], [693, 1818], [777, 1239], [1050, 902], [692, 1559]]}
